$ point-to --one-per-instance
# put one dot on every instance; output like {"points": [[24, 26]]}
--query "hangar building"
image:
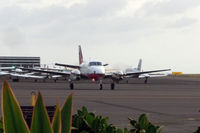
{"points": [[19, 61]]}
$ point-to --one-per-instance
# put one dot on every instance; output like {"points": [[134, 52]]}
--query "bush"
{"points": [[84, 122], [198, 130], [143, 126]]}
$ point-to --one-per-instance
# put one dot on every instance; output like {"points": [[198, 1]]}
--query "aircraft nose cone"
{"points": [[98, 70]]}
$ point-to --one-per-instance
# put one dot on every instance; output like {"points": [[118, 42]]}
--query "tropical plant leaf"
{"points": [[89, 120], [152, 129], [1, 125], [159, 130], [56, 123], [40, 120], [13, 120], [66, 115], [143, 121]]}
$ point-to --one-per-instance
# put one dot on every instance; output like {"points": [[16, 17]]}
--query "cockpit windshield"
{"points": [[95, 64]]}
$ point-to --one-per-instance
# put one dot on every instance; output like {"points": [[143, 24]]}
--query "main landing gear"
{"points": [[146, 80], [100, 85], [112, 86], [15, 80], [71, 85]]}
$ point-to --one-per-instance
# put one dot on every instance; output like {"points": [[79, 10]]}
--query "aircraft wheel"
{"points": [[112, 86], [71, 86], [100, 86], [55, 80], [15, 80], [145, 81]]}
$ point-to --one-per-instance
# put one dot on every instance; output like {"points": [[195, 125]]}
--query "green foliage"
{"points": [[84, 122], [13, 120], [66, 115], [143, 126], [56, 124], [40, 121], [198, 130], [1, 125]]}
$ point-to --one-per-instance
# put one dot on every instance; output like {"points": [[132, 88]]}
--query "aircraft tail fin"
{"points": [[139, 65], [80, 55]]}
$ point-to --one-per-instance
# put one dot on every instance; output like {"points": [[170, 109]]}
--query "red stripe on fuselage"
{"points": [[95, 76]]}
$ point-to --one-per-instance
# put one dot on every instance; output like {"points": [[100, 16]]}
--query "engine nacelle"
{"points": [[144, 76], [118, 75], [18, 70], [118, 72], [75, 74]]}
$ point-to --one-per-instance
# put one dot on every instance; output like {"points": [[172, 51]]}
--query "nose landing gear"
{"points": [[100, 85], [71, 85], [112, 85]]}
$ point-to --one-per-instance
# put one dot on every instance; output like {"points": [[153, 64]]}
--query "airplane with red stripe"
{"points": [[92, 70]]}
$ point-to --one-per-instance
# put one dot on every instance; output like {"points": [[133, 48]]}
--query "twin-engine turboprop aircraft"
{"points": [[93, 70], [138, 73]]}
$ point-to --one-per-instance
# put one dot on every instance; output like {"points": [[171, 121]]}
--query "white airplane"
{"points": [[18, 73], [138, 73], [4, 72], [93, 70]]}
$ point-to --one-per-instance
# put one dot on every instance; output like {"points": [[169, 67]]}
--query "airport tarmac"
{"points": [[172, 102]]}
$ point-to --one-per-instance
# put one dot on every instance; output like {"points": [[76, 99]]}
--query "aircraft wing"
{"points": [[27, 76], [6, 68], [158, 75], [153, 75], [65, 65], [3, 73], [46, 71], [145, 72], [56, 76]]}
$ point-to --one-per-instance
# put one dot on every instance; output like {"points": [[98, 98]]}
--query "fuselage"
{"points": [[135, 70], [93, 70]]}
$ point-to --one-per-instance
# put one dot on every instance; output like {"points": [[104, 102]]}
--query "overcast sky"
{"points": [[164, 33]]}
